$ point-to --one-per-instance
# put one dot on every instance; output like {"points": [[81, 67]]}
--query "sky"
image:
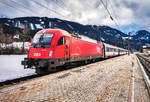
{"points": [[128, 15]]}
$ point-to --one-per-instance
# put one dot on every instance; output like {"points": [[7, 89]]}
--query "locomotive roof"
{"points": [[82, 37], [48, 30]]}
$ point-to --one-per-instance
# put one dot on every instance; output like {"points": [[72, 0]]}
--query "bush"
{"points": [[12, 50]]}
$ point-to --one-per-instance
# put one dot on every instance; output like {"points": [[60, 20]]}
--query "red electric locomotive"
{"points": [[54, 47]]}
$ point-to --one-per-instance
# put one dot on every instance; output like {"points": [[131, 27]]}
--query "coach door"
{"points": [[67, 47], [63, 47]]}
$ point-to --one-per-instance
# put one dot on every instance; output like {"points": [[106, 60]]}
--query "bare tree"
{"points": [[2, 36], [24, 37]]}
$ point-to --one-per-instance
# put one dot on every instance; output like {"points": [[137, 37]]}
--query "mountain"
{"points": [[106, 33], [140, 38], [142, 35]]}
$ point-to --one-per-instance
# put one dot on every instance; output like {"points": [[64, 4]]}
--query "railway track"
{"points": [[145, 67], [145, 60], [26, 78], [17, 80]]}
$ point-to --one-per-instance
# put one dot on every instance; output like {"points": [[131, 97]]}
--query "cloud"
{"points": [[125, 12]]}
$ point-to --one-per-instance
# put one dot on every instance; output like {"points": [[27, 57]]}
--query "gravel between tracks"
{"points": [[104, 81]]}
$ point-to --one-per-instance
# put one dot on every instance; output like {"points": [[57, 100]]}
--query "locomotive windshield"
{"points": [[42, 40]]}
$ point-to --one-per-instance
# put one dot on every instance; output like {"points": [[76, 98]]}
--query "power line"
{"points": [[61, 2], [63, 6], [110, 14], [21, 5], [114, 12], [59, 5], [47, 8], [22, 11], [106, 9]]}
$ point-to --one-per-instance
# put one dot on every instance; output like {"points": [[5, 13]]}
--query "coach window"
{"points": [[107, 49], [61, 41]]}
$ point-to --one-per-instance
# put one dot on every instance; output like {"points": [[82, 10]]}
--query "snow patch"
{"points": [[32, 27], [102, 39], [6, 24], [42, 22], [16, 36], [70, 26], [11, 67], [38, 26], [117, 35], [59, 20]]}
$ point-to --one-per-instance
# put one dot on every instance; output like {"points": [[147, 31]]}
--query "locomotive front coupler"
{"points": [[42, 63], [27, 63]]}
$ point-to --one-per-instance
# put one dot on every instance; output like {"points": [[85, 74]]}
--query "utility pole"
{"points": [[99, 35], [129, 43]]}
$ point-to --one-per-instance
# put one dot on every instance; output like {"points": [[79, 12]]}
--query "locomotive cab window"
{"points": [[61, 41], [42, 40]]}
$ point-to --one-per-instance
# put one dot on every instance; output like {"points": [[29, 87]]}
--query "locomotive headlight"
{"points": [[50, 53]]}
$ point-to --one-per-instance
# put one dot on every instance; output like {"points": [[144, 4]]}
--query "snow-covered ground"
{"points": [[11, 68]]}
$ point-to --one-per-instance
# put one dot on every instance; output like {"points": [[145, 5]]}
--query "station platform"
{"points": [[117, 79]]}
